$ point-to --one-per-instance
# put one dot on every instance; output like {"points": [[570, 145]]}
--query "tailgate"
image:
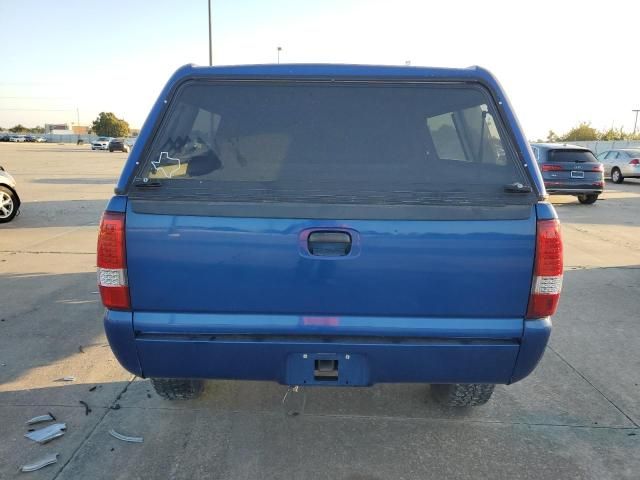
{"points": [[394, 268]]}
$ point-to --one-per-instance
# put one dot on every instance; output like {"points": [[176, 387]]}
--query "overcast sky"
{"points": [[560, 61]]}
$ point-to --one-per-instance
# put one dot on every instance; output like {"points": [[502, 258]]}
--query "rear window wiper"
{"points": [[154, 184], [517, 188]]}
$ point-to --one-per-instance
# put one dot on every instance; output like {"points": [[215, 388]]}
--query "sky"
{"points": [[561, 62]]}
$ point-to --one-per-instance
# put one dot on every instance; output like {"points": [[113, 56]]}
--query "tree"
{"points": [[37, 129], [552, 137], [613, 134], [108, 125], [584, 131], [18, 129]]}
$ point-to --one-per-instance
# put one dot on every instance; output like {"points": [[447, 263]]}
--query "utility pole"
{"points": [[279, 50], [635, 125], [210, 53]]}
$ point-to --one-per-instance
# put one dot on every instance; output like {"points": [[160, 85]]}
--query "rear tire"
{"points": [[616, 176], [588, 199], [462, 394], [178, 388]]}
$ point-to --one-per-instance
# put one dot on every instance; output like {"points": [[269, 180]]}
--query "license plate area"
{"points": [[335, 369], [577, 174]]}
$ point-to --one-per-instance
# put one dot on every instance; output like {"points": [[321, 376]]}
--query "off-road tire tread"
{"points": [[178, 388], [589, 199], [462, 394]]}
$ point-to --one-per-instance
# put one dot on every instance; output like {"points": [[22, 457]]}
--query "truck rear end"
{"points": [[330, 225]]}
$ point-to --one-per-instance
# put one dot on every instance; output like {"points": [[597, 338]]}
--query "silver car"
{"points": [[621, 163], [9, 200]]}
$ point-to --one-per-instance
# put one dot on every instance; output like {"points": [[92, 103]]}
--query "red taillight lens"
{"points": [[551, 168], [112, 264], [635, 161], [547, 273], [597, 168]]}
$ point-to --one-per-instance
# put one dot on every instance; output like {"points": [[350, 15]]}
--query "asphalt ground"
{"points": [[576, 416]]}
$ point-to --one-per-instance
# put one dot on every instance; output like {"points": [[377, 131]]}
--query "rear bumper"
{"points": [[445, 351], [574, 191]]}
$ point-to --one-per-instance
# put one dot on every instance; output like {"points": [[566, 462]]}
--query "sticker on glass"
{"points": [[165, 165]]}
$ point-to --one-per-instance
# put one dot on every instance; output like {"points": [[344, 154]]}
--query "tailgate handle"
{"points": [[329, 244]]}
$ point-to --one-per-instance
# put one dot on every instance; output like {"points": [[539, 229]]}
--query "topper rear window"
{"points": [[330, 144]]}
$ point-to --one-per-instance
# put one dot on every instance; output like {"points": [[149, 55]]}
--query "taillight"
{"points": [[551, 168], [635, 161], [112, 262], [597, 168], [547, 272]]}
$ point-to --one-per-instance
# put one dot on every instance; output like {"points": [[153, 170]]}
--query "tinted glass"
{"points": [[330, 144], [579, 156], [612, 155]]}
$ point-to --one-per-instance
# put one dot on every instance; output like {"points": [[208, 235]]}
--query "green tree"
{"points": [[584, 131], [37, 129], [108, 125], [613, 134], [18, 129], [552, 136]]}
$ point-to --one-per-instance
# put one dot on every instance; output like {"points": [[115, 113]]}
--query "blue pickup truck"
{"points": [[330, 225]]}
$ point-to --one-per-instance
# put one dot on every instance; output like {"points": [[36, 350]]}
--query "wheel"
{"points": [[616, 175], [110, 150], [9, 205], [588, 199], [462, 394], [178, 388]]}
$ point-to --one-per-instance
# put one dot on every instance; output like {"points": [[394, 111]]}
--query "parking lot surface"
{"points": [[577, 416]]}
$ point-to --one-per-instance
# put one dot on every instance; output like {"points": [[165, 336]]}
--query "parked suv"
{"points": [[620, 164], [118, 145], [330, 225], [570, 170]]}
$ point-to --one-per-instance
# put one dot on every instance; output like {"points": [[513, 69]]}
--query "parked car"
{"points": [[40, 140], [621, 163], [570, 170], [29, 138], [330, 225], [118, 145], [101, 143], [9, 199], [5, 138], [17, 138]]}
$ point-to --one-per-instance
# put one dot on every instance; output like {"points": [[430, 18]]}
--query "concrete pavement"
{"points": [[577, 416]]}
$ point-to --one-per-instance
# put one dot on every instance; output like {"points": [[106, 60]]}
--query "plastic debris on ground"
{"points": [[41, 418], [43, 462], [66, 379], [125, 438], [86, 407], [47, 433]]}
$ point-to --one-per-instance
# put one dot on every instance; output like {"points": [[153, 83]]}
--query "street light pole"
{"points": [[635, 125], [279, 50], [210, 54]]}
